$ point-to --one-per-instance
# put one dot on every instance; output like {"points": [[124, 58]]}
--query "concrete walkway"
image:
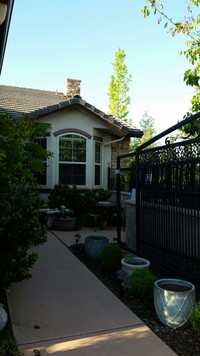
{"points": [[65, 310]]}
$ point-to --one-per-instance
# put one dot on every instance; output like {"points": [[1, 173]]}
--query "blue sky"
{"points": [[51, 41]]}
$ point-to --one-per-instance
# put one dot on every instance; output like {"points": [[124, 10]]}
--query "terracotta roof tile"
{"points": [[35, 103]]}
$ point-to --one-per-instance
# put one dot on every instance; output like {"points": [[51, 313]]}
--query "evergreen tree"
{"points": [[119, 87], [21, 160], [147, 126]]}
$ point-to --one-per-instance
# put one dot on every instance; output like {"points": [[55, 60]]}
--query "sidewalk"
{"points": [[65, 310]]}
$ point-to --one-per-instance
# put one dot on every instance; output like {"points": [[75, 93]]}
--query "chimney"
{"points": [[72, 88]]}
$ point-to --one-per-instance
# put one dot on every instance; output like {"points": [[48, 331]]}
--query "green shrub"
{"points": [[97, 195], [142, 282], [63, 194], [103, 195], [195, 318], [111, 257], [20, 226]]}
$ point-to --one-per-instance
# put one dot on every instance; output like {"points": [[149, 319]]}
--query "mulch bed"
{"points": [[183, 341]]}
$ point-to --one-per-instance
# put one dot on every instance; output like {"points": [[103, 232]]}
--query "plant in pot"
{"points": [[130, 263], [70, 197], [64, 220], [174, 300]]}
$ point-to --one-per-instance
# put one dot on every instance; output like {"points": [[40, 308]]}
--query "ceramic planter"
{"points": [[61, 224], [128, 268], [94, 245], [174, 301]]}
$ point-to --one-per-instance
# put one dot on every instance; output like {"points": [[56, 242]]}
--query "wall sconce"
{"points": [[3, 11]]}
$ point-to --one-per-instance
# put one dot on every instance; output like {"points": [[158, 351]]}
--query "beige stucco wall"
{"points": [[77, 120]]}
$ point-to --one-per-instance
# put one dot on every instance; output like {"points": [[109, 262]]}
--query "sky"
{"points": [[50, 41]]}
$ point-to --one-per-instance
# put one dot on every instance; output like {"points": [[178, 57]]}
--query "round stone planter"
{"points": [[94, 245], [128, 268], [61, 224], [174, 301]]}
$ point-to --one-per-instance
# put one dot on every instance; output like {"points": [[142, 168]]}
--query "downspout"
{"points": [[109, 143], [118, 197]]}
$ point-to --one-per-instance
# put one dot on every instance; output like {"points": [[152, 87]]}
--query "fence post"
{"points": [[118, 198], [137, 199]]}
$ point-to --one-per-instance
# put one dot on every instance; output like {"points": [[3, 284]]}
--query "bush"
{"points": [[63, 194], [142, 282], [97, 195], [195, 318], [111, 257], [20, 227]]}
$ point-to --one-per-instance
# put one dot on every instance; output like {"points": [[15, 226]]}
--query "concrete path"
{"points": [[65, 310]]}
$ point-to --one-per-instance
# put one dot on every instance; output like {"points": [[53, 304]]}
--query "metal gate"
{"points": [[168, 202]]}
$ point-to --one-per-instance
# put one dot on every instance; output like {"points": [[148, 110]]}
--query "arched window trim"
{"points": [[72, 131]]}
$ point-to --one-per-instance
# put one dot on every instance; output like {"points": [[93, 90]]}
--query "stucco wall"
{"points": [[75, 119]]}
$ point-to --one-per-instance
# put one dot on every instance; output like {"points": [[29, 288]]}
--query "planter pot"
{"points": [[128, 268], [60, 224], [94, 245], [174, 301], [3, 317]]}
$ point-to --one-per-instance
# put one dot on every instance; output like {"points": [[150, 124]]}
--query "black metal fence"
{"points": [[167, 180]]}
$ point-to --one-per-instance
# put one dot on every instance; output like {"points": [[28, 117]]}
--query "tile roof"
{"points": [[36, 103]]}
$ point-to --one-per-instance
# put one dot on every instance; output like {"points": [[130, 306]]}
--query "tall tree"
{"points": [[188, 26], [147, 126], [119, 87]]}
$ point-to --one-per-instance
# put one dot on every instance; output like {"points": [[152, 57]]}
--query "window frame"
{"points": [[72, 163]]}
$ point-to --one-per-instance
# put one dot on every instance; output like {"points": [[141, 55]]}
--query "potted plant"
{"points": [[94, 245], [174, 301], [130, 263], [64, 195], [64, 220]]}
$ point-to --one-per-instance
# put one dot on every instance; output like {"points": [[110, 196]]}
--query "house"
{"points": [[6, 8], [84, 140]]}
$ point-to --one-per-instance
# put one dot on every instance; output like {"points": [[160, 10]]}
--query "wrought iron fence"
{"points": [[167, 180]]}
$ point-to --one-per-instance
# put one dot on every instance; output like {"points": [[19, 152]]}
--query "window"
{"points": [[72, 160], [42, 178], [97, 173]]}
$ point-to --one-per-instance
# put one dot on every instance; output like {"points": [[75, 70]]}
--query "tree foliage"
{"points": [[146, 124], [20, 228], [188, 26], [119, 87]]}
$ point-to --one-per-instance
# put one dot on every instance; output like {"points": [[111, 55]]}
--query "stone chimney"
{"points": [[72, 88]]}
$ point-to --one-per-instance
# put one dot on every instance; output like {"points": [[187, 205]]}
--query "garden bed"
{"points": [[183, 341]]}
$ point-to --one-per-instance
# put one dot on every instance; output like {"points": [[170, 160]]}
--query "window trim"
{"points": [[68, 133]]}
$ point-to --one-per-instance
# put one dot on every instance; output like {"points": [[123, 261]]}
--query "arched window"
{"points": [[72, 159]]}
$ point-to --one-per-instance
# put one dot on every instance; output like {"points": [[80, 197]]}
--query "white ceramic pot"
{"points": [[174, 301], [128, 268]]}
